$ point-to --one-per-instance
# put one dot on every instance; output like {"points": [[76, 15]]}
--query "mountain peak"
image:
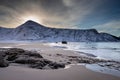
{"points": [[30, 22], [31, 30]]}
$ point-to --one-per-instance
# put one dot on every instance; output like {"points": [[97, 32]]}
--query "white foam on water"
{"points": [[103, 50], [6, 47], [70, 65]]}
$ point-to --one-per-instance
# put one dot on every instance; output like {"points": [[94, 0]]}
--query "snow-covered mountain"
{"points": [[5, 33], [31, 30]]}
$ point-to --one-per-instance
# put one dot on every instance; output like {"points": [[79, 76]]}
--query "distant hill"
{"points": [[31, 30]]}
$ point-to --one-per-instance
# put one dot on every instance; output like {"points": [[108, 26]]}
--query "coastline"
{"points": [[75, 72]]}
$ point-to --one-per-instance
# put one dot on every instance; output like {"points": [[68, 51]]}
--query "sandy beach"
{"points": [[74, 72]]}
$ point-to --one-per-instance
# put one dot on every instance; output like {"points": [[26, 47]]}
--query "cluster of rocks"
{"points": [[101, 62], [86, 59], [83, 59], [111, 65], [32, 59], [35, 60]]}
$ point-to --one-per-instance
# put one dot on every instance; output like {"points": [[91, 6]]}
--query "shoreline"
{"points": [[53, 54]]}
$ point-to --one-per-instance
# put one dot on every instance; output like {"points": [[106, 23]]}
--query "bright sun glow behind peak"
{"points": [[33, 18]]}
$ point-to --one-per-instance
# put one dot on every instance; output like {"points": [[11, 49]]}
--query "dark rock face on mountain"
{"points": [[34, 31]]}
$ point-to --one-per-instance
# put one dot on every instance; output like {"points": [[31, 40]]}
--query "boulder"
{"points": [[16, 51], [46, 64], [40, 64], [26, 60], [64, 42], [56, 65], [33, 54], [3, 63]]}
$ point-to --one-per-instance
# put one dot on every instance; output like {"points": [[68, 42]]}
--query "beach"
{"points": [[72, 71]]}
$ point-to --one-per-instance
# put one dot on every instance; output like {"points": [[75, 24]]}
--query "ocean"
{"points": [[103, 50]]}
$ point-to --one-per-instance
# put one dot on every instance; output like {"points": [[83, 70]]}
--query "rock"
{"points": [[68, 62], [73, 56], [85, 59], [16, 51], [33, 54], [59, 54], [40, 64], [30, 58], [46, 64], [26, 60], [12, 57], [3, 63], [56, 65], [64, 42]]}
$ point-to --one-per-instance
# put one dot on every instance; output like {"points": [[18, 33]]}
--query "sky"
{"points": [[103, 15]]}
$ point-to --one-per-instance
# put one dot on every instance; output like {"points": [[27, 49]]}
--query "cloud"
{"points": [[57, 13], [99, 14]]}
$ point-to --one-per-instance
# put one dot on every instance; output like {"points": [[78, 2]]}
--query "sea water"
{"points": [[103, 50]]}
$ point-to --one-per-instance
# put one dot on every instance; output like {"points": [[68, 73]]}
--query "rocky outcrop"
{"points": [[111, 65], [32, 59], [35, 60], [3, 62]]}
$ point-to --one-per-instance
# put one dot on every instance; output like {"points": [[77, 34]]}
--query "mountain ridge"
{"points": [[31, 30]]}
